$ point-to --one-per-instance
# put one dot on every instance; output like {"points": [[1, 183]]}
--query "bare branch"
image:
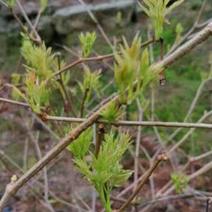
{"points": [[141, 184]]}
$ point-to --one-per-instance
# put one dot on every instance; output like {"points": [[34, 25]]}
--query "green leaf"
{"points": [[43, 4], [39, 59], [11, 3], [127, 66], [91, 82], [80, 147], [111, 113], [180, 181], [179, 30], [87, 41], [17, 94], [157, 11], [132, 70], [105, 171], [84, 168], [37, 93]]}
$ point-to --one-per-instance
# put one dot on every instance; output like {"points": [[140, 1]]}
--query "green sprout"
{"points": [[80, 147], [178, 30], [132, 70], [90, 82], [111, 113], [37, 93], [180, 181], [11, 3], [39, 59], [43, 5], [87, 41], [105, 171], [15, 81], [157, 10]]}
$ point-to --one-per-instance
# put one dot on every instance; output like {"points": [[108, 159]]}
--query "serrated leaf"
{"points": [[111, 113], [80, 147]]}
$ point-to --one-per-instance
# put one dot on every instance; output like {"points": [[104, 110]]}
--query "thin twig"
{"points": [[66, 98], [138, 139], [191, 108], [85, 95], [134, 123], [18, 103], [38, 39], [94, 19], [191, 30], [3, 3], [142, 183], [96, 58], [181, 141], [120, 123], [82, 60]]}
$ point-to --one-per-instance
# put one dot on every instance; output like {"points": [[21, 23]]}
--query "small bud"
{"points": [[13, 179]]}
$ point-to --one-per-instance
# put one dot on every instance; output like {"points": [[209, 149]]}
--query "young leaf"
{"points": [[43, 4], [11, 3], [90, 82], [105, 171], [87, 41], [127, 66], [179, 30], [37, 93], [132, 73], [111, 113], [180, 181], [38, 58], [79, 148], [157, 11]]}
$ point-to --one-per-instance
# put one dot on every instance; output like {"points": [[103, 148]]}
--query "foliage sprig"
{"points": [[87, 41], [132, 70], [157, 10], [105, 171]]}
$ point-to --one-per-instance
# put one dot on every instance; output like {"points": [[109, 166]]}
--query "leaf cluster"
{"points": [[111, 113], [40, 65], [157, 10], [132, 73], [36, 93], [180, 181], [80, 147], [91, 82], [105, 171], [39, 59], [87, 41]]}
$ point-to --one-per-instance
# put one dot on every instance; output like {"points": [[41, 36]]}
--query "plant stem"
{"points": [[99, 138], [83, 102]]}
